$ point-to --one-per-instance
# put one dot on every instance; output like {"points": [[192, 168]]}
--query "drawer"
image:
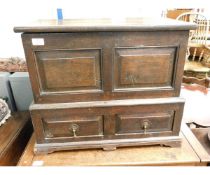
{"points": [[144, 122], [117, 119], [57, 126], [76, 127], [148, 118]]}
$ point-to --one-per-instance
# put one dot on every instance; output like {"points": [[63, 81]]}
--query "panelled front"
{"points": [[61, 125], [144, 122], [70, 67], [76, 126], [69, 70], [110, 121], [144, 67]]}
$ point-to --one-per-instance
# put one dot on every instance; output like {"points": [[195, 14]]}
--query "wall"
{"points": [[19, 12]]}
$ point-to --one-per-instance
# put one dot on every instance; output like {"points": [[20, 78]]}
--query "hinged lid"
{"points": [[91, 25]]}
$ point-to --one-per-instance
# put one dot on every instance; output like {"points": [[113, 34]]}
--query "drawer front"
{"points": [[72, 67], [119, 119], [74, 127], [144, 123], [152, 118], [62, 126]]}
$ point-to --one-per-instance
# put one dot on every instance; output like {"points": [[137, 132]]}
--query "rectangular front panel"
{"points": [[144, 67], [93, 66], [69, 70], [74, 126], [144, 122], [107, 120]]}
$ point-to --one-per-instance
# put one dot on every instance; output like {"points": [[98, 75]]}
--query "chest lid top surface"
{"points": [[105, 24]]}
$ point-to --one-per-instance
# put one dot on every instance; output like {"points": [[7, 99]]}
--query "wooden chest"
{"points": [[105, 83]]}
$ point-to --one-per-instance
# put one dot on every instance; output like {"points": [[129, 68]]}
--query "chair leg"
{"points": [[194, 54], [188, 53], [201, 55]]}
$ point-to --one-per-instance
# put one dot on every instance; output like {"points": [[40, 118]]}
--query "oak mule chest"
{"points": [[103, 83]]}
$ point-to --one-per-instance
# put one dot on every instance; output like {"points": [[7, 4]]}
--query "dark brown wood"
{"points": [[72, 126], [105, 66], [14, 135], [93, 25], [134, 122], [64, 70], [144, 67], [104, 83]]}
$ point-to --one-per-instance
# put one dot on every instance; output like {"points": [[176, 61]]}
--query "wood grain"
{"points": [[145, 155], [196, 145], [53, 126], [202, 136], [85, 66], [105, 83], [123, 24], [14, 135]]}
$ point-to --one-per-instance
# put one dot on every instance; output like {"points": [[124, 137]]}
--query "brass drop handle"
{"points": [[145, 125], [74, 128]]}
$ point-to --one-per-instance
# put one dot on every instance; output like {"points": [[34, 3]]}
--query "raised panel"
{"points": [[134, 123], [144, 67], [62, 126], [106, 121], [69, 70], [105, 65]]}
